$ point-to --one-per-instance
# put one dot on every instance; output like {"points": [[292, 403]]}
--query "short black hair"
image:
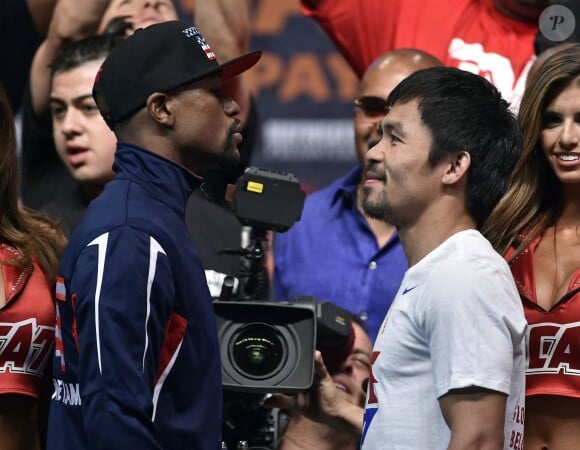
{"points": [[76, 53], [465, 112]]}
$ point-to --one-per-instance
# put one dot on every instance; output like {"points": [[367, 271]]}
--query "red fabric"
{"points": [[174, 334], [26, 328], [553, 344], [469, 34]]}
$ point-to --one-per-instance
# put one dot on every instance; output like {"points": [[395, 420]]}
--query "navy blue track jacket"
{"points": [[137, 356]]}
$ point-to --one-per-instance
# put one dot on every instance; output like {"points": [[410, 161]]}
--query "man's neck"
{"points": [[430, 232]]}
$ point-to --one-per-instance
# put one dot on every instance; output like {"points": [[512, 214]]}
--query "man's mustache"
{"points": [[373, 170]]}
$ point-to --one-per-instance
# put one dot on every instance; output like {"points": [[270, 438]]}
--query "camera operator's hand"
{"points": [[323, 402]]}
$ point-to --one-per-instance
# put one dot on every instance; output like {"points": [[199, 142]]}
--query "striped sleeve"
{"points": [[124, 293]]}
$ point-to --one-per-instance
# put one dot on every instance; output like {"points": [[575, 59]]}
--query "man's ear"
{"points": [[457, 168], [160, 108]]}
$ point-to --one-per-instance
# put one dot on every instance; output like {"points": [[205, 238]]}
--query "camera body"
{"points": [[268, 200], [268, 346]]}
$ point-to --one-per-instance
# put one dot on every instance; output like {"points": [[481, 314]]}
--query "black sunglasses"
{"points": [[371, 105]]}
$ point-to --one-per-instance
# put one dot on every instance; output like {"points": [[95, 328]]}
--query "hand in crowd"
{"points": [[323, 402], [71, 19], [75, 19]]}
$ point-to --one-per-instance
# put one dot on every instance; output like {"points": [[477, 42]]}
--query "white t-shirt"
{"points": [[457, 321]]}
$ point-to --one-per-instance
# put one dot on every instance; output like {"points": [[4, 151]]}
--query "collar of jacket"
{"points": [[164, 179]]}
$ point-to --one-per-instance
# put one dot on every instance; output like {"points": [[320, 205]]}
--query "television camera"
{"points": [[268, 346]]}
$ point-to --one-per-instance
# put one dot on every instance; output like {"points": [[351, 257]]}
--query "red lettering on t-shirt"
{"points": [[554, 348], [24, 347]]}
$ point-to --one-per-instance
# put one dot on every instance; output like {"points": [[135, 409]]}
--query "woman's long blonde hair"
{"points": [[530, 204]]}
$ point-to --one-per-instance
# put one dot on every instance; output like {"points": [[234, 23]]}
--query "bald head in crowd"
{"points": [[380, 78]]}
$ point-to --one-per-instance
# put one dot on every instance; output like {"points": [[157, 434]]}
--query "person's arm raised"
{"points": [[226, 26], [71, 19], [40, 13]]}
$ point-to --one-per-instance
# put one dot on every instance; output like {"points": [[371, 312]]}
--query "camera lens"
{"points": [[258, 350]]}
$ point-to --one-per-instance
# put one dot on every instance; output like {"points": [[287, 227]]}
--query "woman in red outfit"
{"points": [[537, 227], [30, 247]]}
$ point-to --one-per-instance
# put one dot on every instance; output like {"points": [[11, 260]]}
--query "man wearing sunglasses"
{"points": [[334, 252]]}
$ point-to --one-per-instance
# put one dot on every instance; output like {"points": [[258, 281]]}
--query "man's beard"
{"points": [[225, 169], [229, 157], [373, 208], [374, 204]]}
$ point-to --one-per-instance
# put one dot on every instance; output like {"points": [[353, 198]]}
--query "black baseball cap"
{"points": [[158, 58]]}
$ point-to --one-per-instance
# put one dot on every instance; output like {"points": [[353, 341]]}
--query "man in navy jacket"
{"points": [[137, 361]]}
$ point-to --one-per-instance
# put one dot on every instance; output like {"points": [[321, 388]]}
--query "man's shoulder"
{"points": [[123, 201], [95, 239], [126, 207], [319, 200], [109, 211], [463, 259]]}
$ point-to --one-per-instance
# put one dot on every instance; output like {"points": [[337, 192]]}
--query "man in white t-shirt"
{"points": [[448, 363], [450, 355]]}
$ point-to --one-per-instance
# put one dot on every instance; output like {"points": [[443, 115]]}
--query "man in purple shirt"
{"points": [[334, 252]]}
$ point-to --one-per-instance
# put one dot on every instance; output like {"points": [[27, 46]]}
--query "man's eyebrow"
{"points": [[77, 99], [397, 127]]}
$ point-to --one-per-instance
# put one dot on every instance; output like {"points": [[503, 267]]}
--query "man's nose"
{"points": [[71, 123]]}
